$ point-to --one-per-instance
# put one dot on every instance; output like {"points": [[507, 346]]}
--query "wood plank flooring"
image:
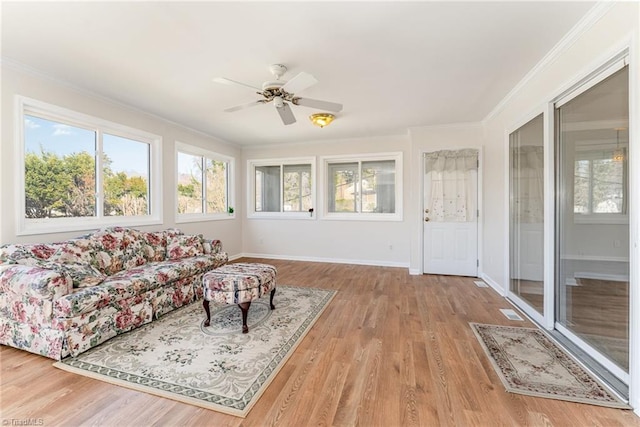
{"points": [[390, 350]]}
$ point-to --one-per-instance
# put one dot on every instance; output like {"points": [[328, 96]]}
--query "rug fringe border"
{"points": [[151, 390]]}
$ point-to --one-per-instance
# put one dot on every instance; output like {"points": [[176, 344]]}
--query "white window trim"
{"points": [[197, 151], [251, 187], [363, 216], [31, 226]]}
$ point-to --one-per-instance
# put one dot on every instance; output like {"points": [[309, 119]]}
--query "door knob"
{"points": [[426, 218], [426, 211]]}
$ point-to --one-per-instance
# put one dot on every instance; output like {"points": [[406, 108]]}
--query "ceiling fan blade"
{"points": [[299, 83], [286, 114], [243, 106], [316, 103], [226, 81]]}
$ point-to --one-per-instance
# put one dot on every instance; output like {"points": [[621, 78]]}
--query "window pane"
{"points": [[378, 186], [581, 186], [297, 188], [126, 176], [267, 188], [599, 184], [60, 173], [526, 207], [216, 175], [189, 183], [592, 254], [607, 186], [343, 187]]}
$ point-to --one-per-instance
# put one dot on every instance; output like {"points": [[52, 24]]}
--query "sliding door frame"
{"points": [[523, 305], [595, 77], [627, 46]]}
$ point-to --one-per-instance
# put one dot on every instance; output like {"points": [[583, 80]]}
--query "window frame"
{"points": [[362, 158], [184, 148], [281, 163], [30, 226]]}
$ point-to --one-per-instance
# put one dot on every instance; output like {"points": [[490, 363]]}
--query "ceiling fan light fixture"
{"points": [[321, 119], [618, 154]]}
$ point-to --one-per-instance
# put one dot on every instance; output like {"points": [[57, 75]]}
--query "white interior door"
{"points": [[450, 213]]}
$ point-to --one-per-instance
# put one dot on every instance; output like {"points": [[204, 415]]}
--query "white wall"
{"points": [[361, 242], [23, 82]]}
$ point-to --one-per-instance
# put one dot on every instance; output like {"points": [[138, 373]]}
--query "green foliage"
{"points": [[190, 187], [65, 186], [186, 190], [46, 183]]}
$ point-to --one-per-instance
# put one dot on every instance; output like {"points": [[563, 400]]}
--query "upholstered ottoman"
{"points": [[240, 284]]}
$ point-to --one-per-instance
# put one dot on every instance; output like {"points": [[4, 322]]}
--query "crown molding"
{"points": [[588, 20], [458, 125], [346, 140]]}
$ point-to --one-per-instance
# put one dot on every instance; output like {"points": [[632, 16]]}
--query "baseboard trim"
{"points": [[499, 289], [600, 276], [316, 259], [415, 271]]}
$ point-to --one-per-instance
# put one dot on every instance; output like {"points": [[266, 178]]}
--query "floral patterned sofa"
{"points": [[63, 298]]}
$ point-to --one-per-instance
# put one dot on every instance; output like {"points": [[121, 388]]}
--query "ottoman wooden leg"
{"points": [[244, 306], [273, 292], [205, 304]]}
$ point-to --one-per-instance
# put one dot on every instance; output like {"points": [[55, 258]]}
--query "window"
{"points": [[282, 188], [81, 172], [364, 187], [203, 184], [599, 183]]}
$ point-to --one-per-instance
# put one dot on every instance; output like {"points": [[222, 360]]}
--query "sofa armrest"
{"points": [[212, 246], [34, 281]]}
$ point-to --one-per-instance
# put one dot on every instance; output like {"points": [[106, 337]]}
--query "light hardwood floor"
{"points": [[390, 350]]}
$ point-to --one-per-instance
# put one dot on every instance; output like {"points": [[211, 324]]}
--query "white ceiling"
{"points": [[393, 65]]}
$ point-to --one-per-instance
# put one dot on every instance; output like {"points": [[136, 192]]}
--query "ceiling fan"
{"points": [[282, 93]]}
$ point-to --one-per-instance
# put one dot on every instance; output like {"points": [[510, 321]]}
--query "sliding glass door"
{"points": [[592, 219], [526, 213]]}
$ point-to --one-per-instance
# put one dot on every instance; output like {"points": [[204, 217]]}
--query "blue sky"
{"points": [[126, 155]]}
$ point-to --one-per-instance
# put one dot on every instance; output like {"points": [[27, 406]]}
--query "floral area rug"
{"points": [[529, 363], [215, 367]]}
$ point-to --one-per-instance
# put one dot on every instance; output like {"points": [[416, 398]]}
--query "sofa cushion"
{"points": [[154, 245], [34, 281], [26, 254], [80, 251], [185, 246], [82, 275], [135, 281], [117, 249]]}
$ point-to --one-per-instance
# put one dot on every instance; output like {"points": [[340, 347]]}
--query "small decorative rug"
{"points": [[215, 367], [529, 363]]}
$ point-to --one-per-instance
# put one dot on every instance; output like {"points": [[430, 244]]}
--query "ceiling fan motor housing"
{"points": [[272, 85]]}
